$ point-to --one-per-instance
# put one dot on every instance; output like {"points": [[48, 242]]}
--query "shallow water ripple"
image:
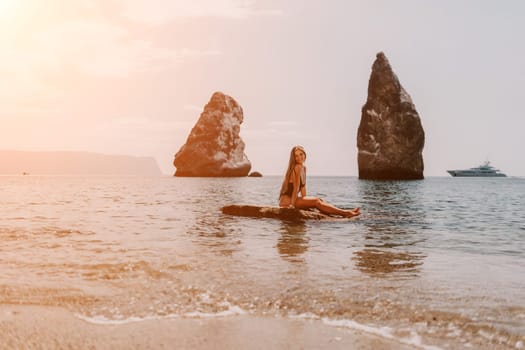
{"points": [[439, 260]]}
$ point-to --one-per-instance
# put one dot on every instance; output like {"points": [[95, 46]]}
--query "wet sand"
{"points": [[43, 327]]}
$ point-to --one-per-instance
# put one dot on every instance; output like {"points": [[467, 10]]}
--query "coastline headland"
{"points": [[75, 163]]}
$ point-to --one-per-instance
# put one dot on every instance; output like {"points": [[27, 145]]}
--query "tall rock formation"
{"points": [[390, 137], [214, 147]]}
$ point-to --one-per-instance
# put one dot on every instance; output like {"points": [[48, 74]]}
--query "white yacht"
{"points": [[484, 170]]}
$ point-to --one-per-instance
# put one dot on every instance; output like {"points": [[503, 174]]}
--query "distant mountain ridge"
{"points": [[75, 163]]}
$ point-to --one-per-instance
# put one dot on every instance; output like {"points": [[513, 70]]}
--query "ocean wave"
{"points": [[103, 320], [413, 339], [231, 310]]}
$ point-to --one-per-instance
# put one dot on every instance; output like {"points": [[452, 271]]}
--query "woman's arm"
{"points": [[296, 178], [303, 190]]}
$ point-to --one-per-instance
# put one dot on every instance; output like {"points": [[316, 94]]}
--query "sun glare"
{"points": [[6, 7]]}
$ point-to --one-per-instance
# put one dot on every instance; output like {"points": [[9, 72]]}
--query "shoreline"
{"points": [[43, 327]]}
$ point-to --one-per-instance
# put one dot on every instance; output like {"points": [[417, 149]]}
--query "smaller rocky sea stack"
{"points": [[390, 137], [214, 147]]}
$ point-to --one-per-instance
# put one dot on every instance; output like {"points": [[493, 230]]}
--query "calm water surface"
{"points": [[438, 263]]}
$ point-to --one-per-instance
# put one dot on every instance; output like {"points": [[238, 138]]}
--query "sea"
{"points": [[437, 263]]}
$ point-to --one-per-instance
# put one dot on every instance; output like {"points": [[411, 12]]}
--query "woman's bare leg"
{"points": [[324, 207]]}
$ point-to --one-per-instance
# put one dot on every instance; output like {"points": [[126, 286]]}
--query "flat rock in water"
{"points": [[255, 211]]}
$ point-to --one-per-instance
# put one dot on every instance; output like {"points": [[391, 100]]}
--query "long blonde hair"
{"points": [[291, 166]]}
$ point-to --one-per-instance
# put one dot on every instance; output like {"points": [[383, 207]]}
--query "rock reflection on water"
{"points": [[293, 241], [392, 244], [377, 262]]}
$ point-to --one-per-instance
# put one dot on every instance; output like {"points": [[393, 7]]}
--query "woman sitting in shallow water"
{"points": [[293, 189]]}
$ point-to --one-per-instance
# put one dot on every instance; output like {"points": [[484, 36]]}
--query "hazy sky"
{"points": [[132, 76]]}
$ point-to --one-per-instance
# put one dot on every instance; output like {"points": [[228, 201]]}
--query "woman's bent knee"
{"points": [[285, 201]]}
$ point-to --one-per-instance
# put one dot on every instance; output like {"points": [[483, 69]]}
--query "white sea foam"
{"points": [[103, 320], [305, 316], [205, 298], [230, 311], [485, 335], [385, 332]]}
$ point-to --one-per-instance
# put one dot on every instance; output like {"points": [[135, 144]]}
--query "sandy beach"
{"points": [[42, 327]]}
